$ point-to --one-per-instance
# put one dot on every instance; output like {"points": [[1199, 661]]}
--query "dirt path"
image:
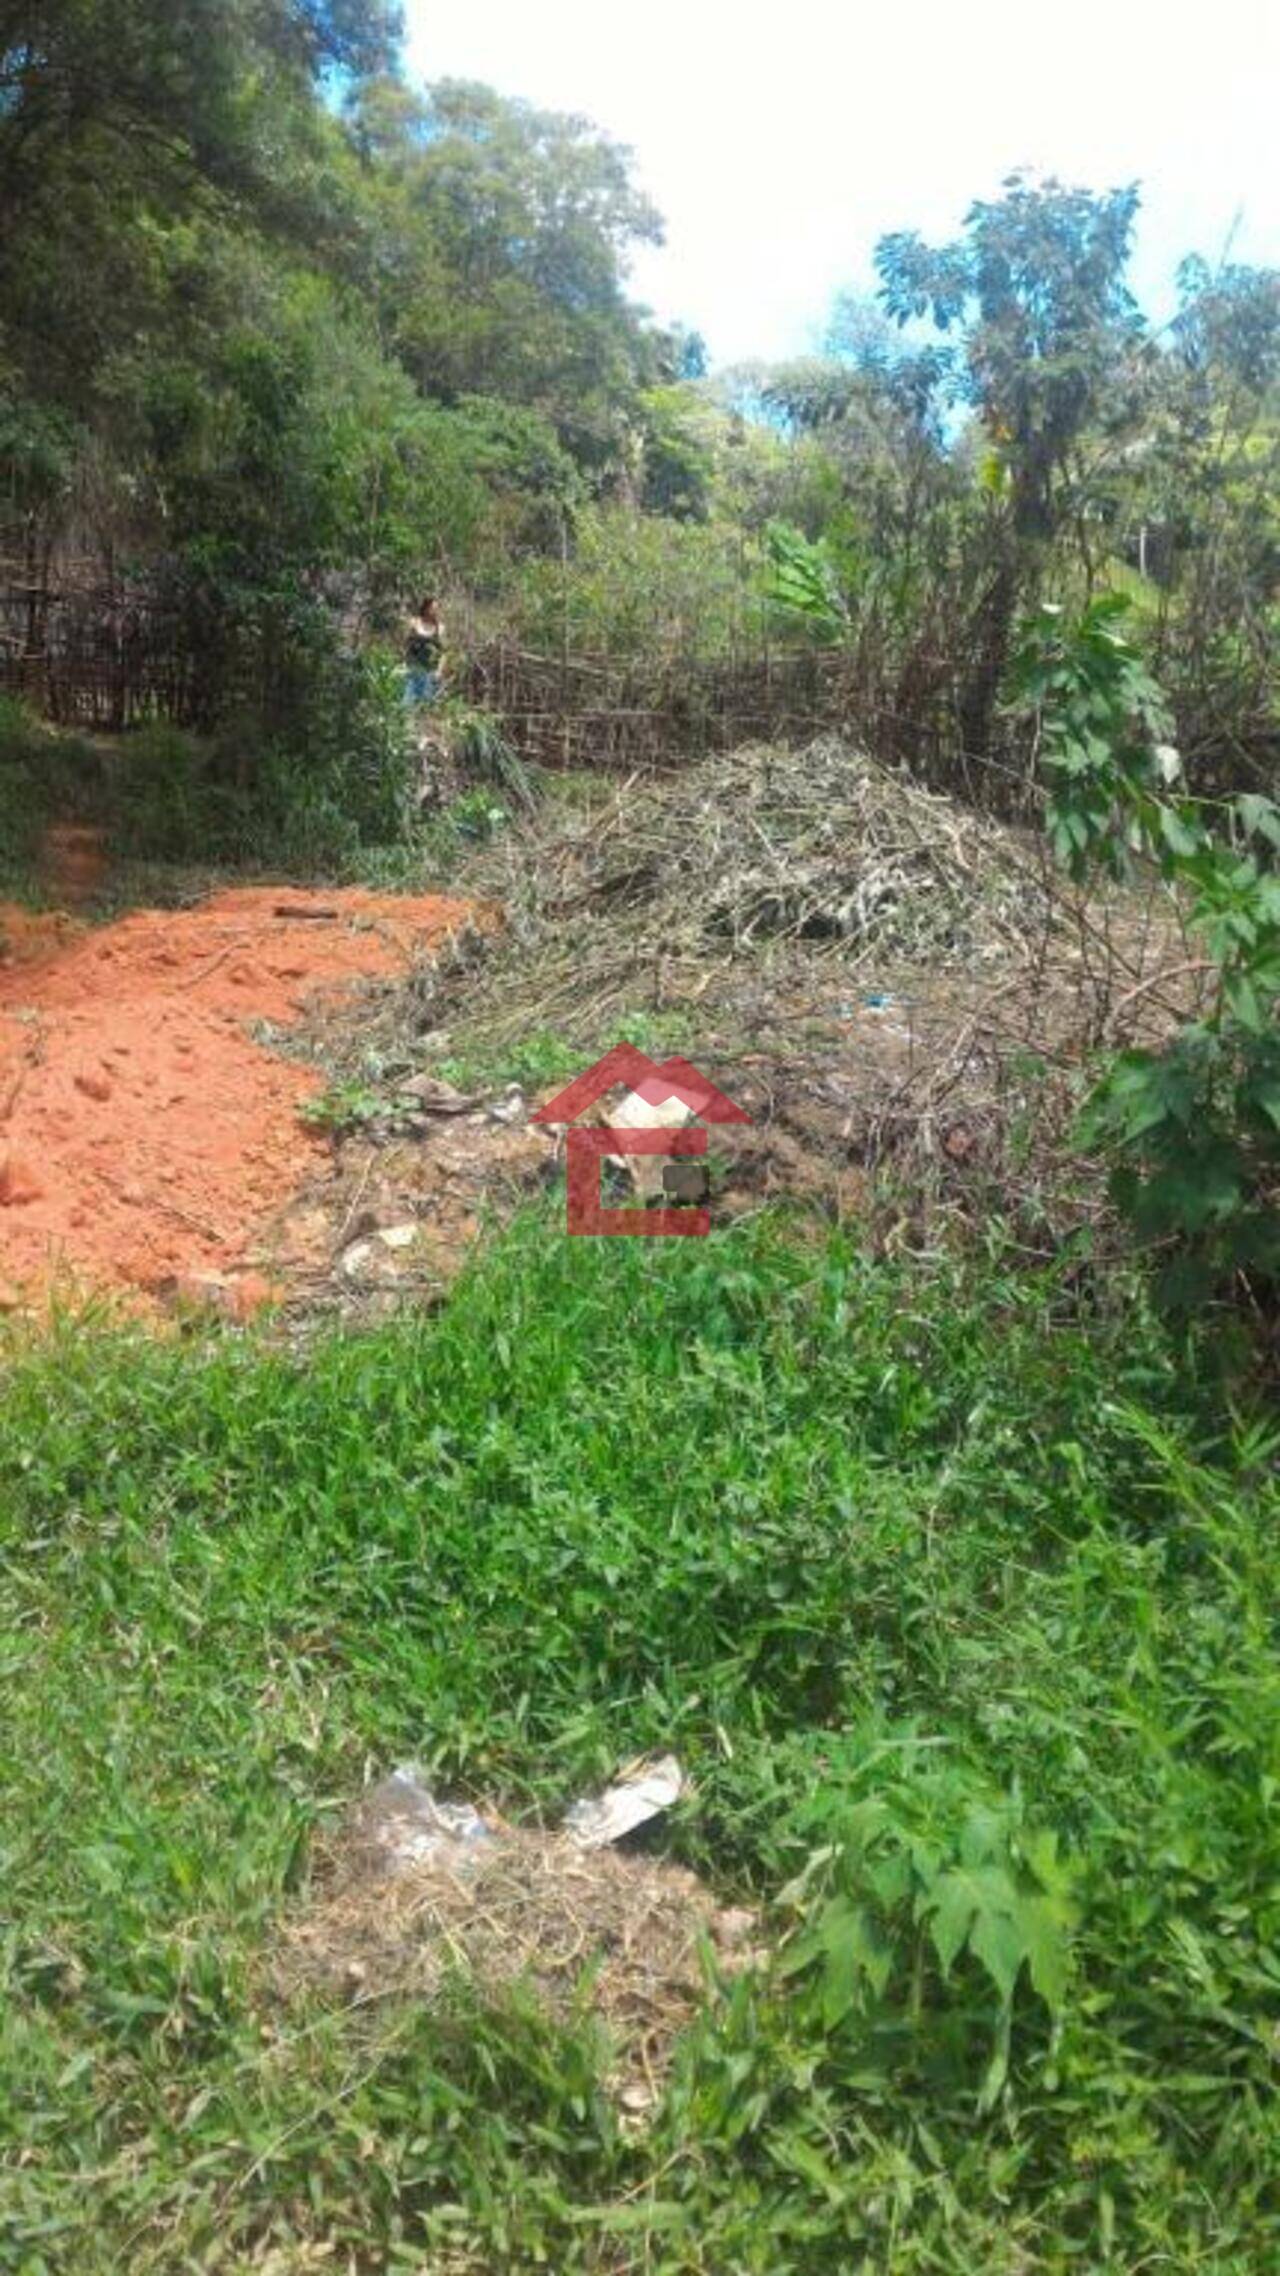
{"points": [[144, 1136]]}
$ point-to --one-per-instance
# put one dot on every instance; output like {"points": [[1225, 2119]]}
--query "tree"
{"points": [[678, 445], [1204, 505], [502, 255], [132, 132], [165, 96], [1047, 329], [1036, 289]]}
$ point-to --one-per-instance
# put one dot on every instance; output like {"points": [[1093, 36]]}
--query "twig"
{"points": [[349, 1220], [193, 979], [1156, 980]]}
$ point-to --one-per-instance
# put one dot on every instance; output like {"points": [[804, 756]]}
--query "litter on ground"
{"points": [[416, 1894], [643, 1791]]}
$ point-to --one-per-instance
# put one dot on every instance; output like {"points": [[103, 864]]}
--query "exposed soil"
{"points": [[146, 1137], [388, 1219]]}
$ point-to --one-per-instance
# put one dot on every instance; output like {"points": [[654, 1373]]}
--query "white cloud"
{"points": [[780, 143]]}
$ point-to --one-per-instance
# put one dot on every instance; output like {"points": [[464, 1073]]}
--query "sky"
{"points": [[780, 142]]}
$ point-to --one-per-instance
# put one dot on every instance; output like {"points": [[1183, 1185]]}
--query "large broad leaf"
{"points": [[1180, 836], [998, 1939], [1046, 1923], [1133, 1098], [850, 1953], [987, 1911], [802, 581]]}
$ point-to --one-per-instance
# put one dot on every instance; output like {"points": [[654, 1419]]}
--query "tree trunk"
{"points": [[991, 636]]}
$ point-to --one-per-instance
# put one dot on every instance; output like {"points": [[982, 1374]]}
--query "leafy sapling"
{"points": [[1192, 1128]]}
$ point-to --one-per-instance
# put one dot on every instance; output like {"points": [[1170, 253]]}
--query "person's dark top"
{"points": [[423, 648]]}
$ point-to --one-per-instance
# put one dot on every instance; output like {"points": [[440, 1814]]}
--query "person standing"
{"points": [[424, 654]]}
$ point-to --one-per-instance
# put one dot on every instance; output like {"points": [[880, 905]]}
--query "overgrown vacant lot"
{"points": [[960, 1612]]}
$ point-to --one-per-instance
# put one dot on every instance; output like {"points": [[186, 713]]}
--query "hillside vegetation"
{"points": [[284, 340]]}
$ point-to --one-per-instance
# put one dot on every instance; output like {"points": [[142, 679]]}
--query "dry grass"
{"points": [[751, 856], [617, 1933], [779, 861]]}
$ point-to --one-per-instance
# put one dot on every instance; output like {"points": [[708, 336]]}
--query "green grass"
{"points": [[907, 1566], [545, 1056]]}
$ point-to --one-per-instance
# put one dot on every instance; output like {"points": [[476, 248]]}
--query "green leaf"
{"points": [[1264, 1093], [1259, 816], [998, 1941], [1245, 1004], [1178, 835], [954, 1908], [1045, 1923]]}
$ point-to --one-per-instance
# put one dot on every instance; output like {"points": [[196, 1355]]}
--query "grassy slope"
{"points": [[754, 1499]]}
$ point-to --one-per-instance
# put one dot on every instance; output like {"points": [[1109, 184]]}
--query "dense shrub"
{"points": [[635, 586]]}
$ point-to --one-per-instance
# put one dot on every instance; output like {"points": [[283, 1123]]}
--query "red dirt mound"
{"points": [[144, 1136]]}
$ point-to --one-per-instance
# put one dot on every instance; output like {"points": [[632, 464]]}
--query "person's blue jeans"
{"points": [[420, 686]]}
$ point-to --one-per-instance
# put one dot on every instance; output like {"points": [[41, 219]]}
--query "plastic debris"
{"points": [[644, 1791], [402, 1819], [511, 1107], [398, 1236], [405, 1824], [879, 1004], [412, 1890]]}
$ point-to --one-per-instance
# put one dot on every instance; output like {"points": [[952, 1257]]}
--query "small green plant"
{"points": [[477, 816], [353, 1106], [544, 1056], [925, 1878], [485, 759], [373, 768], [532, 1060], [444, 840], [657, 1032], [1101, 720], [1193, 1128]]}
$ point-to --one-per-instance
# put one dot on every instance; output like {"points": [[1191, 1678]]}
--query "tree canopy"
{"points": [[271, 316]]}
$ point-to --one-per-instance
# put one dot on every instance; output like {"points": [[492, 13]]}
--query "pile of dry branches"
{"points": [[876, 971], [766, 856]]}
